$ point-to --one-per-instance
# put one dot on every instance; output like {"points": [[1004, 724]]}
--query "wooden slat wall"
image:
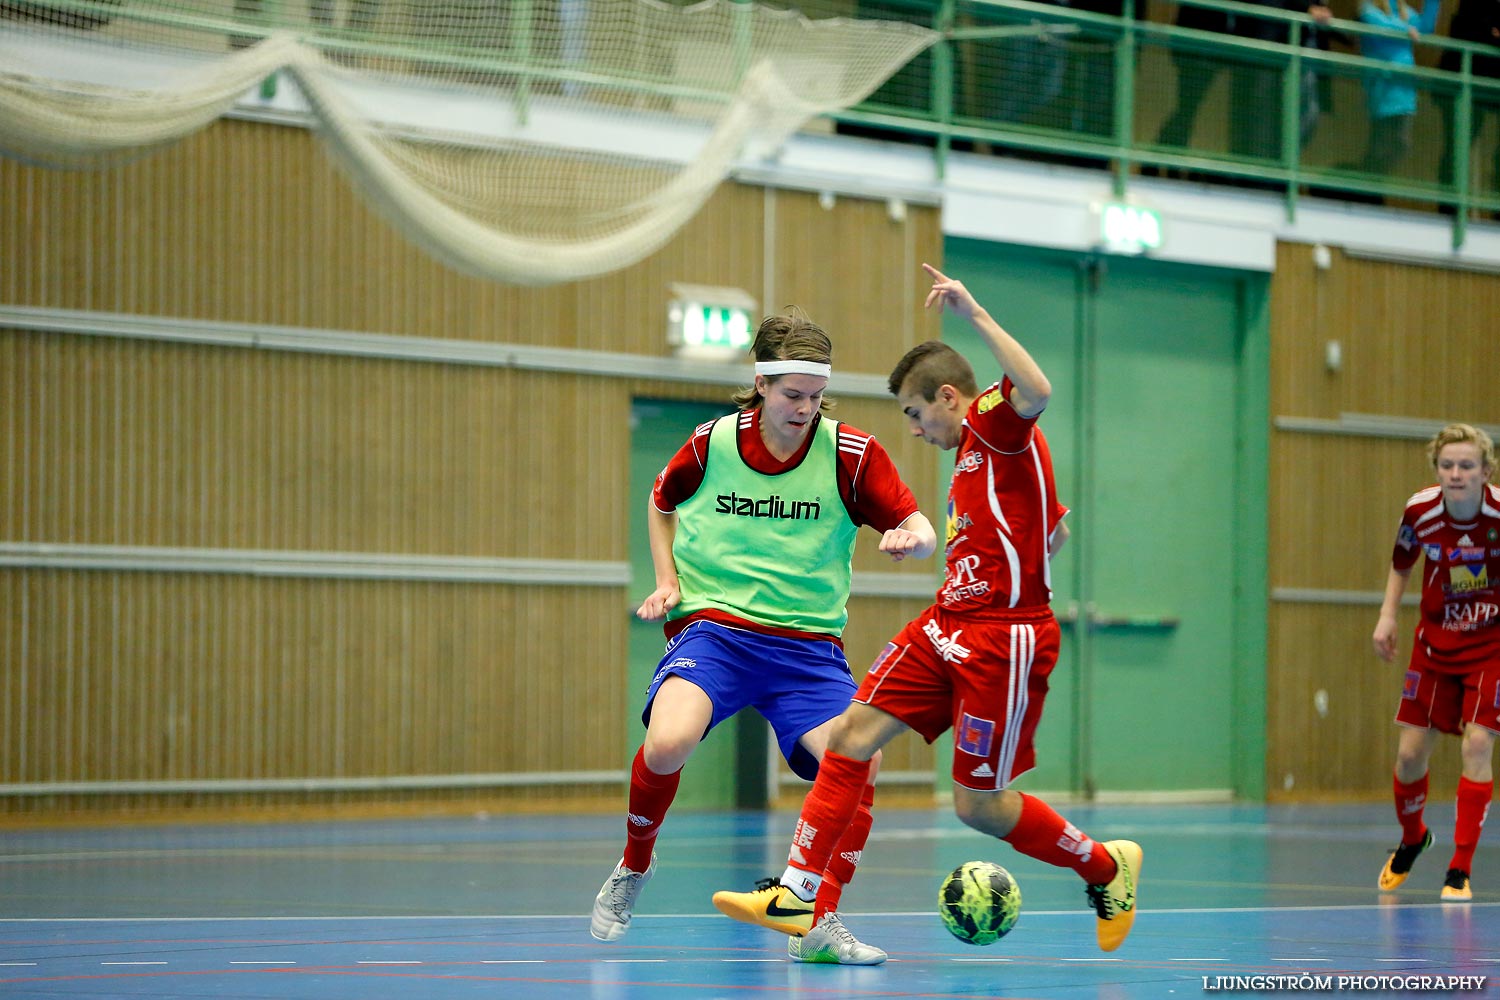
{"points": [[1417, 342], [135, 675]]}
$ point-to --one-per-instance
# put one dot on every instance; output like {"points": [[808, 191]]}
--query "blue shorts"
{"points": [[797, 684]]}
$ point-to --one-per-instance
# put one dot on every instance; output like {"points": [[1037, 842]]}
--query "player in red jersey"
{"points": [[976, 661], [1452, 681], [752, 527]]}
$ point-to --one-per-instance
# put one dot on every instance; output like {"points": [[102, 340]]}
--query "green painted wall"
{"points": [[728, 769]]}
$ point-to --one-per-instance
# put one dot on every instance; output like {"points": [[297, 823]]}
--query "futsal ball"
{"points": [[979, 902]]}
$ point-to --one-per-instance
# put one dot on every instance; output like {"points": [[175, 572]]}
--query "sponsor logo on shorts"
{"points": [[884, 659], [1409, 688], [975, 735], [983, 771], [681, 663], [947, 646], [852, 857]]}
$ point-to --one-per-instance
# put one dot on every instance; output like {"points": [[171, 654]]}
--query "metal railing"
{"points": [[1031, 79], [1106, 88]]}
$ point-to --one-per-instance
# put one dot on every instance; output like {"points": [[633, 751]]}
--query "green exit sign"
{"points": [[1129, 228], [712, 324]]}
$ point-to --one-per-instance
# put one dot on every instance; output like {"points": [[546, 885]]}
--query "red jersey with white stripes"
{"points": [[1460, 621], [1002, 511], [870, 487]]}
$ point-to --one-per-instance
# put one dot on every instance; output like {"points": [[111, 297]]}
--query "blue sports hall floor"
{"points": [[1233, 898]]}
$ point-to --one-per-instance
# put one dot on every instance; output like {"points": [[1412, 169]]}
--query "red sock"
{"points": [[826, 813], [846, 855], [651, 795], [1473, 807], [1042, 834], [1411, 800]]}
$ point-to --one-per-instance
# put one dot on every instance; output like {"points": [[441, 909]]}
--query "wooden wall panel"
{"points": [[173, 676], [142, 676], [130, 442], [1417, 342]]}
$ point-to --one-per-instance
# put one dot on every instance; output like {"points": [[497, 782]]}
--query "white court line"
{"points": [[132, 963], [894, 914], [16, 963]]}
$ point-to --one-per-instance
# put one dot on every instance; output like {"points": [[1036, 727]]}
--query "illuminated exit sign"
{"points": [[1129, 228], [713, 324]]}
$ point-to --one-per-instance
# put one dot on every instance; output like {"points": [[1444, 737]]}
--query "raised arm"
{"points": [[1031, 388]]}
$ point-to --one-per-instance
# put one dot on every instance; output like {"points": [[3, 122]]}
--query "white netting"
{"points": [[529, 142]]}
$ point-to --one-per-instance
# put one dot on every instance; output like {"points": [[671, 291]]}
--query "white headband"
{"points": [[793, 368]]}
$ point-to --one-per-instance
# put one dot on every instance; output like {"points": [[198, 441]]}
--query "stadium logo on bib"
{"points": [[773, 506]]}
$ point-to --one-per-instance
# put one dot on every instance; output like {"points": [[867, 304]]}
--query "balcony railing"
{"points": [[1130, 95]]}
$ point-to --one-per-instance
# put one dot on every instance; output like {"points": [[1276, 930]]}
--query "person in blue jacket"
{"points": [[1392, 98]]}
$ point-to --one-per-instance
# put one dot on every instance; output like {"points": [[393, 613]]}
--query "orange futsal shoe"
{"points": [[1114, 902], [1398, 865], [771, 905]]}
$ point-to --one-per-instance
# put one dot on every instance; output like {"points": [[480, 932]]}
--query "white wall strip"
{"points": [[324, 565], [896, 585], [1315, 595], [419, 349], [387, 783], [1372, 425]]}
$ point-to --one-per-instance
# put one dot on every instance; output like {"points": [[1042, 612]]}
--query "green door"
{"points": [[729, 769], [1154, 423]]}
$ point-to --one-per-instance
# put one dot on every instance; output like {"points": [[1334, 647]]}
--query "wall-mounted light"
{"points": [[709, 323], [1131, 229]]}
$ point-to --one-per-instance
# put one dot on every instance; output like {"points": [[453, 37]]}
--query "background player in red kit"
{"points": [[1453, 679], [752, 526], [976, 661]]}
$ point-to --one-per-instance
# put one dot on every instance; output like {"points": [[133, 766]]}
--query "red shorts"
{"points": [[986, 678], [1438, 699]]}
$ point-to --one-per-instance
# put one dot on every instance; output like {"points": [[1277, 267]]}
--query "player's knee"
{"points": [[846, 739], [666, 753], [993, 813], [1478, 744]]}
